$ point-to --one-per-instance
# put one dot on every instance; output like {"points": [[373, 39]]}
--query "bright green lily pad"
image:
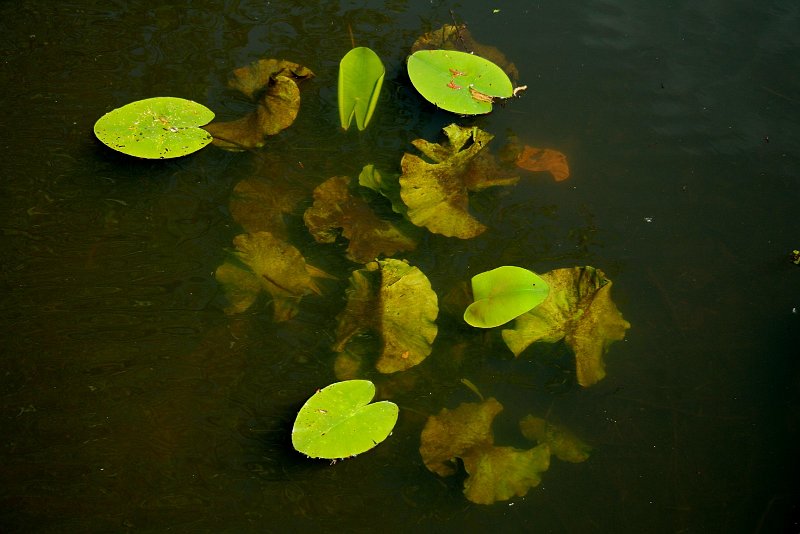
{"points": [[394, 300], [338, 421], [156, 128], [579, 310], [503, 294], [458, 82], [361, 75]]}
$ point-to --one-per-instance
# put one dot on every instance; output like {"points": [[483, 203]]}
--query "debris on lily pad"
{"points": [[336, 207], [265, 263], [563, 443], [272, 83], [437, 192], [394, 300], [495, 473], [155, 128], [579, 310]]}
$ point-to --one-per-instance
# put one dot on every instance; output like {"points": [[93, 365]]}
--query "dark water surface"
{"points": [[130, 401]]}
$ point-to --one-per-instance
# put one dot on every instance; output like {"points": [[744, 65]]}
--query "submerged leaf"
{"points": [[155, 128], [458, 37], [544, 159], [274, 84], [503, 294], [387, 186], [453, 433], [500, 473], [563, 443], [339, 421], [336, 207], [437, 193], [495, 473], [396, 301], [360, 79], [260, 206], [578, 309], [262, 262]]}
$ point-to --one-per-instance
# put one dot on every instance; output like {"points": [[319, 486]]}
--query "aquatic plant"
{"points": [[338, 421], [503, 294], [361, 75]]}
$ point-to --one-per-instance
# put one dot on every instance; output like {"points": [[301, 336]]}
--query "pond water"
{"points": [[132, 401]]}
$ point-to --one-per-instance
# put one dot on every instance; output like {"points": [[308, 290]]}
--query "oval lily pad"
{"points": [[156, 128], [338, 421], [504, 294], [457, 81]]}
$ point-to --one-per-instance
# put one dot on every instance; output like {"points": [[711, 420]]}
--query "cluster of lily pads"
{"points": [[387, 297]]}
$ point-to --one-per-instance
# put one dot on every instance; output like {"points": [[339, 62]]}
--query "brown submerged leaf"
{"points": [[369, 236], [458, 37], [273, 84], [544, 159], [563, 443], [263, 262], [495, 473], [258, 205], [578, 309], [395, 300], [437, 193]]}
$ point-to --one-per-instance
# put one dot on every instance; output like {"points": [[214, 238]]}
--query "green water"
{"points": [[131, 402]]}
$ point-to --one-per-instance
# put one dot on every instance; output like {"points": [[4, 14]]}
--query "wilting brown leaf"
{"points": [[259, 206], [452, 37], [336, 207], [437, 193], [394, 300], [263, 262], [579, 310], [273, 83], [500, 473], [544, 159]]}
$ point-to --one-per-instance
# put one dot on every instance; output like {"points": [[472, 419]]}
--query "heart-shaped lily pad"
{"points": [[504, 294], [156, 128], [457, 81], [338, 421]]}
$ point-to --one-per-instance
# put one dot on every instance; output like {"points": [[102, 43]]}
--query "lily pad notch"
{"points": [[361, 75]]}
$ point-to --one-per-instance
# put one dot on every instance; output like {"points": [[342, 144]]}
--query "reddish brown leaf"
{"points": [[544, 159]]}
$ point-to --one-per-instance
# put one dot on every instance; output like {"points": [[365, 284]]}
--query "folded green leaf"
{"points": [[503, 294], [361, 75]]}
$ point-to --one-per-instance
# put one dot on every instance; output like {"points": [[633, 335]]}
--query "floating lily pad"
{"points": [[578, 309], [437, 193], [495, 473], [369, 236], [394, 300], [563, 443], [265, 263], [156, 128], [503, 294], [338, 421], [273, 84], [458, 82], [361, 75]]}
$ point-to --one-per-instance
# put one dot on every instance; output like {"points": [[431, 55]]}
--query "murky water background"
{"points": [[130, 401]]}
